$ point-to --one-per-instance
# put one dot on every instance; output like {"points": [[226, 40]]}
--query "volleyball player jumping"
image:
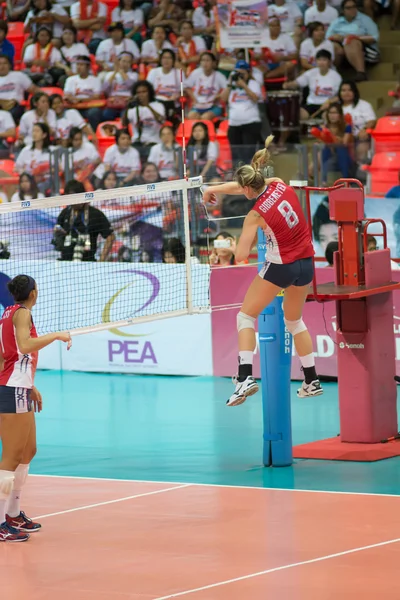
{"points": [[19, 346], [289, 267]]}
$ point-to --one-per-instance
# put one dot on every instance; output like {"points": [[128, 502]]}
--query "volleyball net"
{"points": [[97, 257]]}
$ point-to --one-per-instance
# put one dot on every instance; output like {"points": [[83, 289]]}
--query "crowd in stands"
{"points": [[99, 83]]}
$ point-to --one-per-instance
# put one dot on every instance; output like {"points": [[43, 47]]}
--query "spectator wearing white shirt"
{"points": [[131, 17], [243, 95], [190, 47], [313, 44], [362, 115], [166, 154], [27, 189], [146, 118], [320, 12], [276, 59], [89, 17], [117, 86], [40, 113], [151, 49], [13, 86], [40, 59], [35, 159], [85, 157], [166, 13], [201, 152], [66, 119], [289, 16], [7, 128], [51, 16], [166, 81], [323, 83], [122, 159], [205, 87], [84, 87], [17, 9], [109, 50], [71, 49], [204, 20]]}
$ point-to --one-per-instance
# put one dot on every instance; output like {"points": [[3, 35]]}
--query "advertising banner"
{"points": [[242, 23]]}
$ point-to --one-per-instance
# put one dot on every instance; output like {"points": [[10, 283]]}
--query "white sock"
{"points": [[246, 357], [6, 483], [307, 361], [14, 501]]}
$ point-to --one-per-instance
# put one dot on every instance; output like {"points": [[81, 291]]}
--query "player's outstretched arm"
{"points": [[26, 344], [230, 188]]}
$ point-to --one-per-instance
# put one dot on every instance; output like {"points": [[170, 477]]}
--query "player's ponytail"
{"points": [[247, 176], [20, 287], [262, 158]]}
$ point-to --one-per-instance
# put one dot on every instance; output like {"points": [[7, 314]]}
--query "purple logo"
{"points": [[133, 352]]}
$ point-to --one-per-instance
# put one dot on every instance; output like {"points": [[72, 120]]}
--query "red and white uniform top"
{"points": [[286, 231], [19, 369]]}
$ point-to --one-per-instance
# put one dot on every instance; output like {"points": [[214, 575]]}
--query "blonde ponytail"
{"points": [[247, 176], [262, 158]]}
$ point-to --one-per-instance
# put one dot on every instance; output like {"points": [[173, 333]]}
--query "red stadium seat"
{"points": [[111, 4], [222, 132], [386, 134], [384, 172], [17, 37], [188, 130], [52, 90]]}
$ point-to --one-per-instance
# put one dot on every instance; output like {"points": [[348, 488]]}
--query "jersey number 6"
{"points": [[288, 213]]}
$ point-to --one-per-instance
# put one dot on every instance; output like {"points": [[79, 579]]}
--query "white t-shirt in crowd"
{"points": [[287, 15], [122, 163], [149, 49], [14, 85], [198, 42], [71, 53], [360, 114], [200, 19], [241, 109], [165, 85], [30, 55], [15, 197], [82, 88], [56, 27], [129, 18], [165, 159], [86, 155], [30, 118], [29, 159], [282, 45], [325, 17], [212, 151], [107, 51], [309, 51], [322, 87], [205, 87], [102, 12], [150, 128], [119, 86], [6, 121], [71, 118]]}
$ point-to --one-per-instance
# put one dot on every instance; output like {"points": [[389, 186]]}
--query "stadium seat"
{"points": [[111, 4], [383, 172], [17, 37], [386, 134], [188, 130], [222, 132], [52, 90]]}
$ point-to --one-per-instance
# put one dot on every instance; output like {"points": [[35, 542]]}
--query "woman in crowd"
{"points": [[40, 113], [131, 17], [117, 86], [165, 155], [202, 153], [361, 114], [35, 159], [166, 81], [205, 87], [312, 44], [42, 59], [27, 189], [122, 159], [66, 119]]}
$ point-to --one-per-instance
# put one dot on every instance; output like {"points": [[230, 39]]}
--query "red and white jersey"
{"points": [[286, 231], [19, 369]]}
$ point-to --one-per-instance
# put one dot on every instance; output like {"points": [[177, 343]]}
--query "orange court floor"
{"points": [[149, 488]]}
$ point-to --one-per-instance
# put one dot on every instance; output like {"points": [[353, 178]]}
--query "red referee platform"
{"points": [[362, 291]]}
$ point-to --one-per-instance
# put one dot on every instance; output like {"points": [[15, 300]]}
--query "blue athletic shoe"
{"points": [[10, 534]]}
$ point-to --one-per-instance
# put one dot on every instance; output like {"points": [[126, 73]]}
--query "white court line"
{"points": [[71, 510], [220, 485], [282, 568]]}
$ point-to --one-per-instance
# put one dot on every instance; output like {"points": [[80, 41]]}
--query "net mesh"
{"points": [[97, 257]]}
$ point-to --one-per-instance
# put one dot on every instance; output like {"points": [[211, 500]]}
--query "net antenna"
{"points": [[130, 284]]}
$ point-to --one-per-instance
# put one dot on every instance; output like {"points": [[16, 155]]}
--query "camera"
{"points": [[222, 243], [236, 75], [82, 245]]}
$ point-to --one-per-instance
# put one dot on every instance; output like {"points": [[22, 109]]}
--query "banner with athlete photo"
{"points": [[242, 23]]}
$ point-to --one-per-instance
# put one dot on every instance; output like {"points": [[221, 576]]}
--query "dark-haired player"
{"points": [[19, 347]]}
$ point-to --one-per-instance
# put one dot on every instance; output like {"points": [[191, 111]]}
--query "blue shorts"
{"points": [[15, 399], [217, 110], [299, 273]]}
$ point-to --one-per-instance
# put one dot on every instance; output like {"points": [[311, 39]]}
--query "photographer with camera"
{"points": [[243, 94], [223, 252], [78, 228]]}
